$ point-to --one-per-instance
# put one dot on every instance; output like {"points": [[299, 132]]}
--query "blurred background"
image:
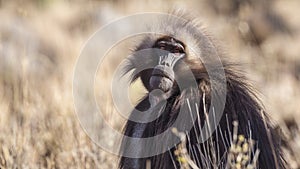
{"points": [[41, 39]]}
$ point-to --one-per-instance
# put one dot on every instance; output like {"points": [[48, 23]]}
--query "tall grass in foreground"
{"points": [[239, 154]]}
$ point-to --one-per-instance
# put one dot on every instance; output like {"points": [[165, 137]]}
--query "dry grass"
{"points": [[239, 154], [39, 43]]}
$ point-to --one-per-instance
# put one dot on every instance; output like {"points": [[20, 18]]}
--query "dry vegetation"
{"points": [[39, 43]]}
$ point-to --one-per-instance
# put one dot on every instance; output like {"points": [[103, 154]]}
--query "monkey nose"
{"points": [[170, 60], [163, 75]]}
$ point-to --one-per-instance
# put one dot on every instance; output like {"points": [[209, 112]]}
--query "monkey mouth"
{"points": [[163, 71], [161, 82], [162, 78]]}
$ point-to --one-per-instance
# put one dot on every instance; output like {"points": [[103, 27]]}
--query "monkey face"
{"points": [[170, 44], [162, 76], [161, 63]]}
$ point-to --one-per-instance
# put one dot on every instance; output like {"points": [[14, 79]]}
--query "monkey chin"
{"points": [[162, 83]]}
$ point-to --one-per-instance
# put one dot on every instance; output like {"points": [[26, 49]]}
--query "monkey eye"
{"points": [[162, 45], [178, 48], [174, 47]]}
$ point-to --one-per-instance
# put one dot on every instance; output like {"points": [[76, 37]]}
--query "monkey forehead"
{"points": [[187, 31], [191, 45]]}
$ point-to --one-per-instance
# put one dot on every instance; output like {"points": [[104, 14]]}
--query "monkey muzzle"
{"points": [[163, 75]]}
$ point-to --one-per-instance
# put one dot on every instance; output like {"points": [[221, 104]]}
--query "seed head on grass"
{"points": [[241, 154]]}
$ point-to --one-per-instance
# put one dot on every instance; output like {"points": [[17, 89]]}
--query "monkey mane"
{"points": [[242, 103]]}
